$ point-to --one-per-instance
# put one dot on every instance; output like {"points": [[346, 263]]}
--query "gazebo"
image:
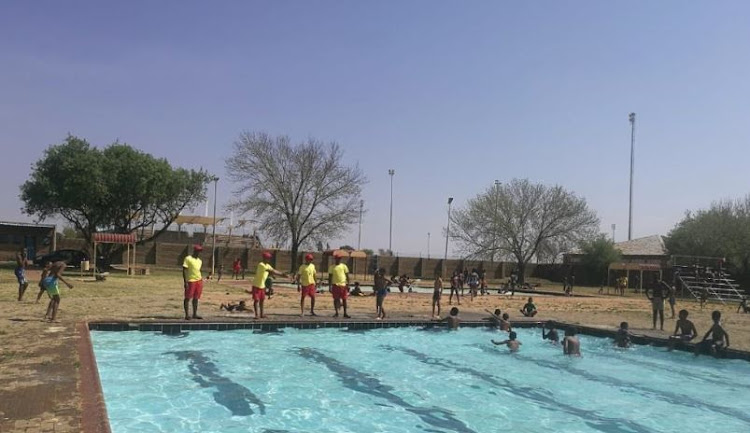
{"points": [[120, 239]]}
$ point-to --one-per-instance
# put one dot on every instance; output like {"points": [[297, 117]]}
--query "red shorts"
{"points": [[194, 289], [340, 292], [308, 291], [258, 294]]}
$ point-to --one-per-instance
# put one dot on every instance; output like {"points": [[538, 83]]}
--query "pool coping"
{"points": [[94, 418]]}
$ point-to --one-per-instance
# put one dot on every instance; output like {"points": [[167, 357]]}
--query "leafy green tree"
{"points": [[116, 189], [368, 251], [723, 230], [516, 219], [598, 254], [299, 193]]}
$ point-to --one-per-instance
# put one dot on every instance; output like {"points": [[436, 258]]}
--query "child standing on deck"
{"points": [[50, 284], [436, 294], [45, 273]]}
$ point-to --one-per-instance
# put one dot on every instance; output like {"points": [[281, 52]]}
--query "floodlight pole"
{"points": [[428, 245], [448, 229], [213, 230], [613, 232], [359, 235], [631, 117], [391, 172]]}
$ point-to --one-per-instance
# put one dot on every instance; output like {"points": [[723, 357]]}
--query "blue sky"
{"points": [[450, 94]]}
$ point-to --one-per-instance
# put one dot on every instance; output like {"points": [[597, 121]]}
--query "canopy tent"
{"points": [[116, 238]]}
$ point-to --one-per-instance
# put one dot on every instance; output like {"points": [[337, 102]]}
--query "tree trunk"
{"points": [[295, 253], [521, 272]]}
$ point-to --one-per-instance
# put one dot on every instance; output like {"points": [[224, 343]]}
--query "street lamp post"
{"points": [[359, 236], [494, 222], [428, 245], [631, 117], [448, 229], [613, 232], [391, 172], [213, 230]]}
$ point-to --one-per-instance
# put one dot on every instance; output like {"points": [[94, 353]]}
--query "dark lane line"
{"points": [[229, 394], [366, 384], [666, 396], [540, 397]]}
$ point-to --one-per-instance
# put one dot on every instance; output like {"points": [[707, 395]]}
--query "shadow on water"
{"points": [[437, 417], [541, 397], [229, 394]]}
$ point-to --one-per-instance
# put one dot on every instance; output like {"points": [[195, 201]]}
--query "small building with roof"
{"points": [[36, 238], [643, 260]]}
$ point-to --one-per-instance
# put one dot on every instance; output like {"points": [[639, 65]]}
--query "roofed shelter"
{"points": [[643, 257], [36, 238], [120, 239]]}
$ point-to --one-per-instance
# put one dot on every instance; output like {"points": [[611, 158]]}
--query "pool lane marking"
{"points": [[540, 396], [690, 374], [666, 396], [229, 394], [366, 384]]}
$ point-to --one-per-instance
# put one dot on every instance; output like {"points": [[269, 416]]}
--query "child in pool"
{"points": [[571, 345], [622, 338], [511, 342]]}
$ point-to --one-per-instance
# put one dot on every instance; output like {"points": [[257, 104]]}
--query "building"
{"points": [[36, 238], [643, 261]]}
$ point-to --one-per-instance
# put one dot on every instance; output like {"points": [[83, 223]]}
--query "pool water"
{"points": [[409, 380]]}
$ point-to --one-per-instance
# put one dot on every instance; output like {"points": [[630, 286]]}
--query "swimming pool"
{"points": [[409, 380]]}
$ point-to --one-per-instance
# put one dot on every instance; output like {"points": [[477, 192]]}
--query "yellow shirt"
{"points": [[338, 274], [193, 266], [307, 274], [261, 274]]}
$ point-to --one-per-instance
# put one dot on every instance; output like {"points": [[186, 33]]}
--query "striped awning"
{"points": [[114, 238]]}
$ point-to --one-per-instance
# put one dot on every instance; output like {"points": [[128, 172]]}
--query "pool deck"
{"points": [[94, 419]]}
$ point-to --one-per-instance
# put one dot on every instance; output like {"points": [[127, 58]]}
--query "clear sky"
{"points": [[450, 94]]}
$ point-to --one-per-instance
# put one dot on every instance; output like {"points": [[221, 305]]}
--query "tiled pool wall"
{"points": [[274, 326]]}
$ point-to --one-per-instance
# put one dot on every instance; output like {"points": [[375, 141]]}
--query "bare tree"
{"points": [[521, 220], [302, 194]]}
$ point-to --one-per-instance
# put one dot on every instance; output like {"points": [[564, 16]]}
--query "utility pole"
{"points": [[428, 245], [494, 222], [448, 228], [391, 172], [613, 232], [631, 117], [359, 236], [213, 230]]}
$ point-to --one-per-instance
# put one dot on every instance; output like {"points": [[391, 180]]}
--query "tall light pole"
{"points": [[391, 172], [613, 232], [428, 245], [494, 222], [448, 229], [631, 117], [359, 236], [213, 230]]}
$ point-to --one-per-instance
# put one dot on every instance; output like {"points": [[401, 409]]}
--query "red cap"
{"points": [[309, 257], [197, 247], [267, 255]]}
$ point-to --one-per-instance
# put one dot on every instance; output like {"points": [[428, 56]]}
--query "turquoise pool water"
{"points": [[409, 380]]}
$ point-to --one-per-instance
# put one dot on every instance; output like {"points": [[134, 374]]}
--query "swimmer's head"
{"points": [[454, 311]]}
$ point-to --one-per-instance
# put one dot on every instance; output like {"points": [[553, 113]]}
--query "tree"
{"points": [[723, 230], [300, 193], [516, 219], [598, 254], [346, 247], [117, 189], [368, 251]]}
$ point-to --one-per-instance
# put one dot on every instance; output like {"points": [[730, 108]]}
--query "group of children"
{"points": [[715, 341], [48, 283], [571, 345]]}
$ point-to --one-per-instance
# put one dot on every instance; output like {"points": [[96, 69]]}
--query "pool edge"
{"points": [[94, 417]]}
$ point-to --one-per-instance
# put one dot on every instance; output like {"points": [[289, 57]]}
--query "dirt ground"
{"points": [[39, 378]]}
